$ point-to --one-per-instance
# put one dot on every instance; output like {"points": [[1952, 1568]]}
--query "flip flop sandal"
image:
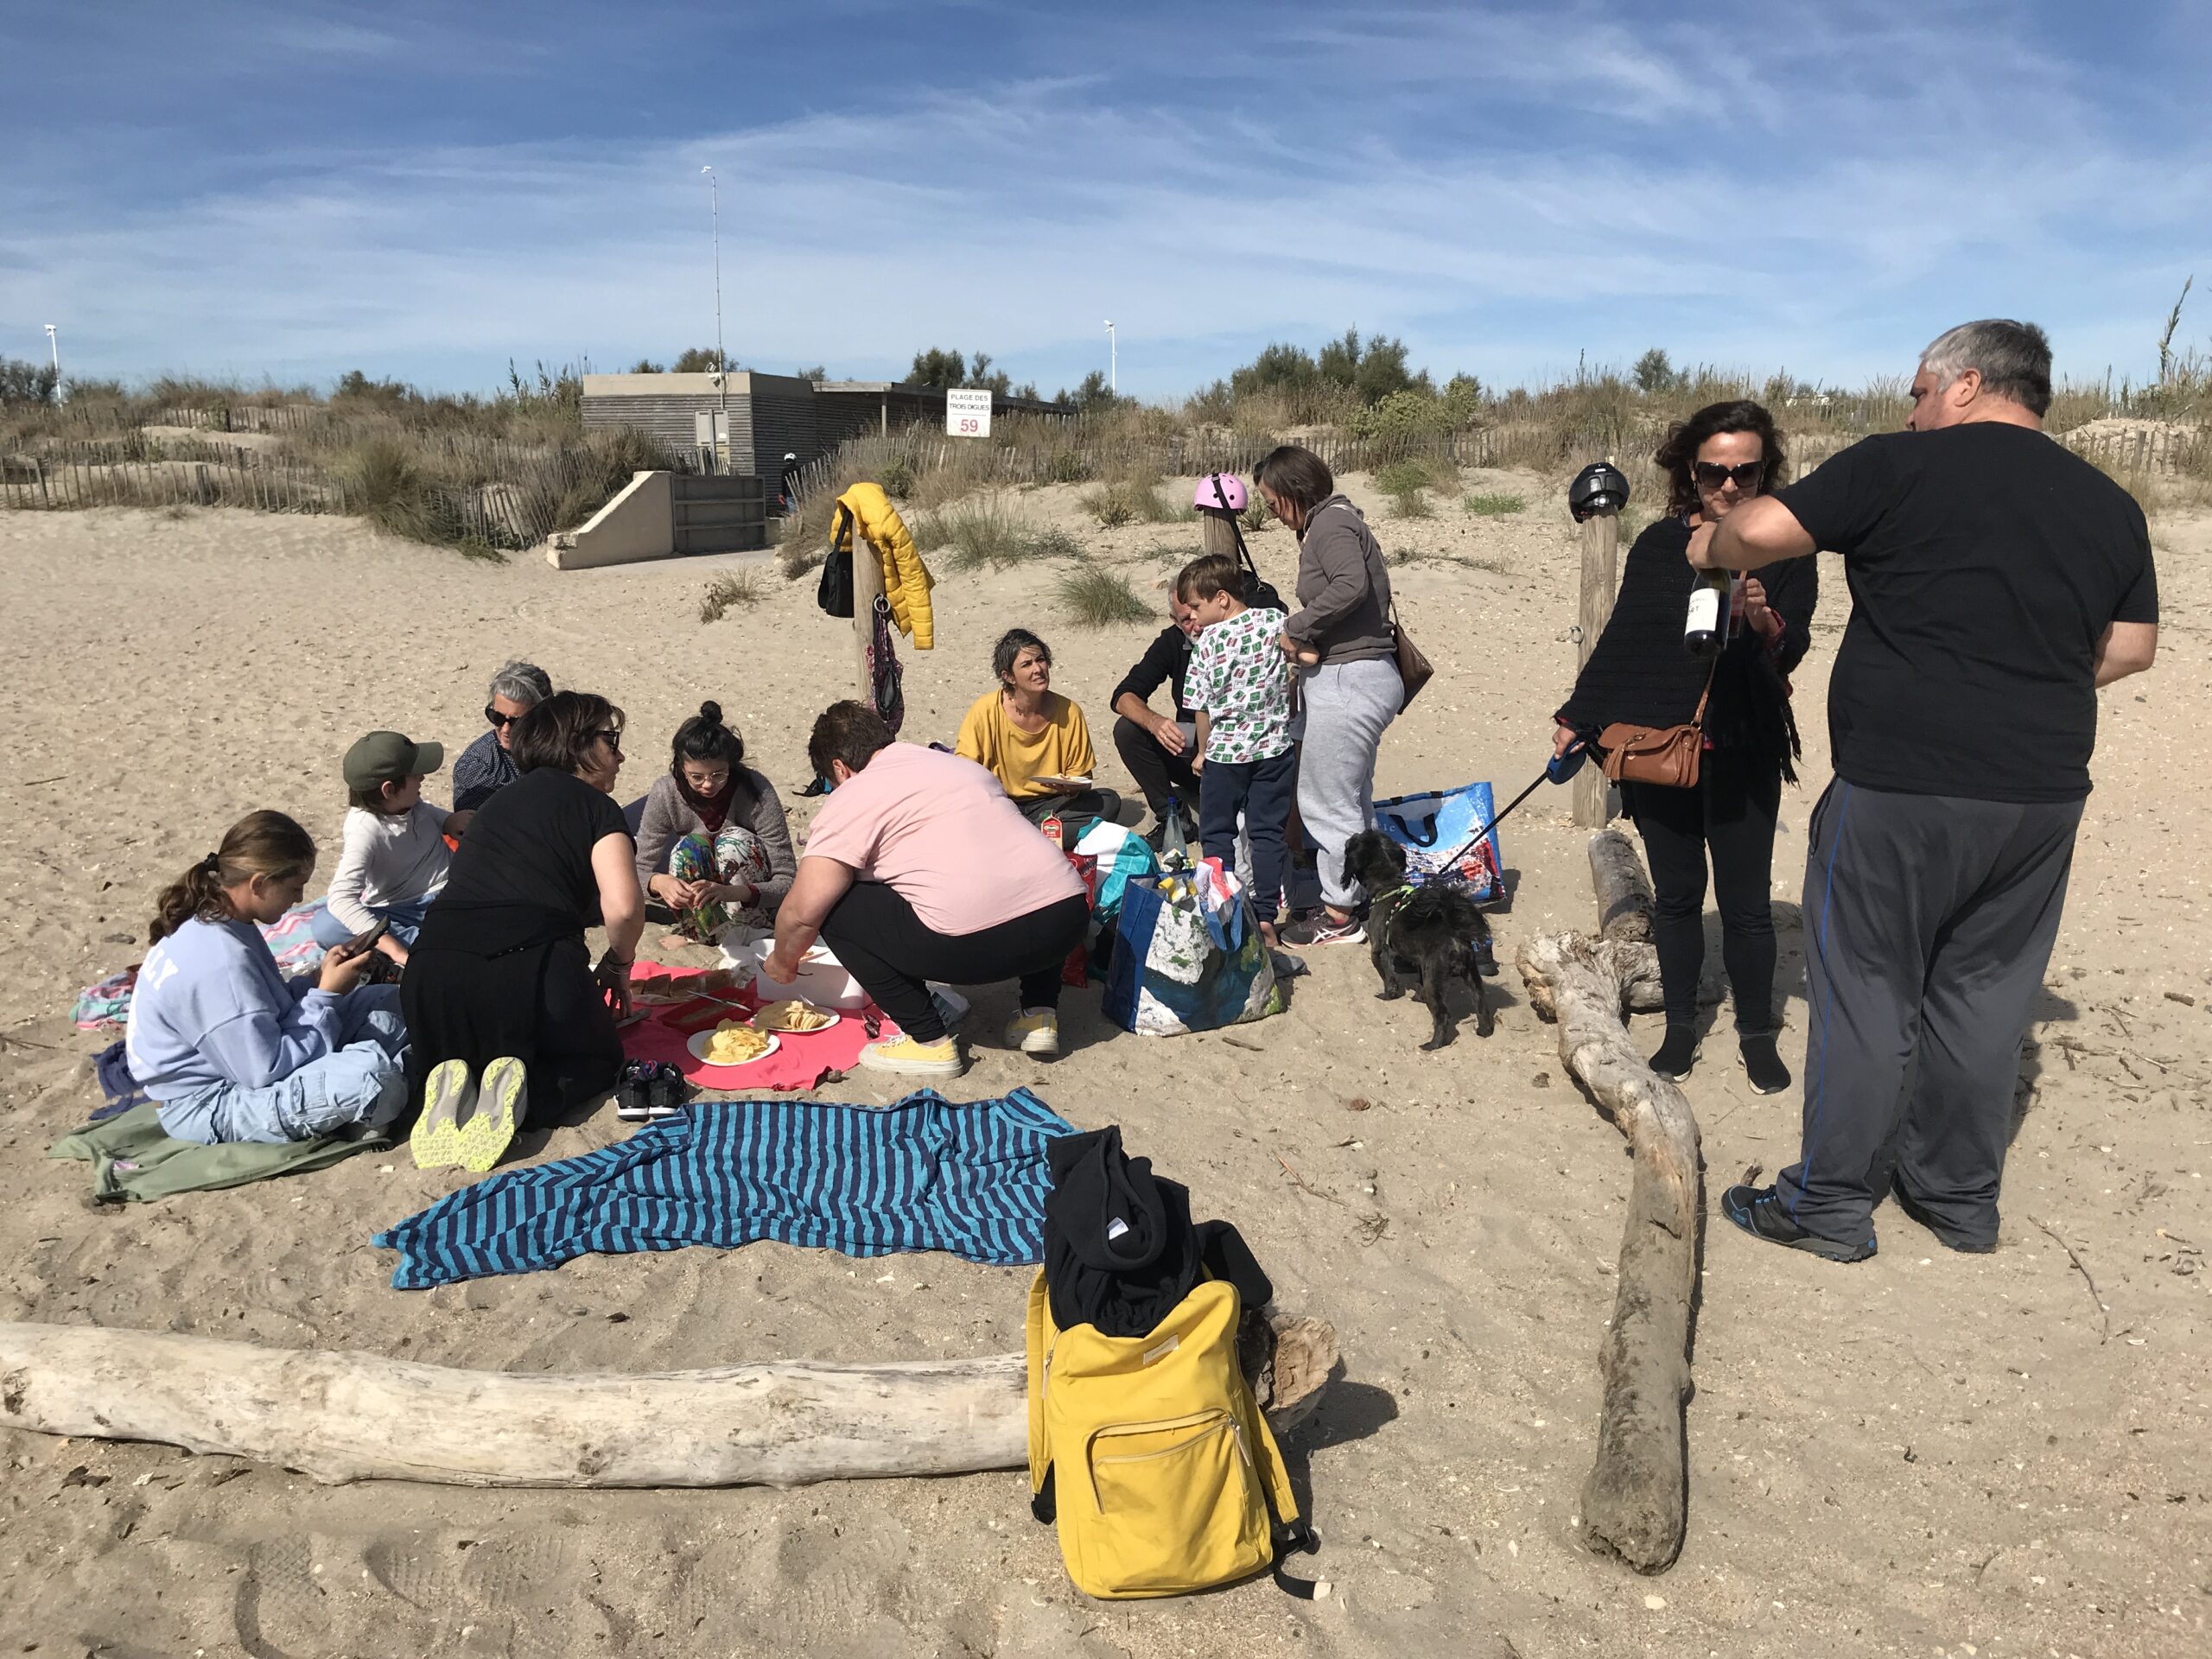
{"points": [[485, 1136], [435, 1138]]}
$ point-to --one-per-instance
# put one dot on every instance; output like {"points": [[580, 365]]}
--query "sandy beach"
{"points": [[1924, 1453]]}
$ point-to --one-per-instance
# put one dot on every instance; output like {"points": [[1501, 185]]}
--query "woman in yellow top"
{"points": [[1031, 739]]}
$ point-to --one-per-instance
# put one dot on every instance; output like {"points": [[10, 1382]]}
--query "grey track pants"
{"points": [[1929, 923], [1348, 705]]}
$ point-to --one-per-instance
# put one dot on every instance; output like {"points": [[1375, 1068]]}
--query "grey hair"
{"points": [[2013, 360], [525, 682]]}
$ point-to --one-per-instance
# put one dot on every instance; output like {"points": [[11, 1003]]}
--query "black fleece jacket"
{"points": [[1640, 674]]}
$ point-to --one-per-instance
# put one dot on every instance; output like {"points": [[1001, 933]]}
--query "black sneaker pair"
{"points": [[649, 1091]]}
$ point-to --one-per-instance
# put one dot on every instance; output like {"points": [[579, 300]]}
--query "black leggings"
{"points": [[892, 953], [1731, 811]]}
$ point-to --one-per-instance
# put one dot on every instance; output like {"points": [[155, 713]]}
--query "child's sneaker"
{"points": [[1037, 1031], [915, 1059], [1324, 929], [666, 1092], [633, 1094]]}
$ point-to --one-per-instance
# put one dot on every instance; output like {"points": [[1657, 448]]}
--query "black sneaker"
{"points": [[632, 1102], [665, 1093], [1946, 1235], [1757, 1210], [1678, 1054], [1763, 1066]]}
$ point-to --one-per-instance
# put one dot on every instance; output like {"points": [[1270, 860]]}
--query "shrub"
{"points": [[730, 589], [472, 546], [1068, 467], [794, 558], [1111, 504], [1095, 598], [1255, 514], [1054, 545], [1493, 506], [899, 478]]}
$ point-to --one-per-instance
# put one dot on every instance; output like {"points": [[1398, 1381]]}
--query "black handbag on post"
{"points": [[835, 595]]}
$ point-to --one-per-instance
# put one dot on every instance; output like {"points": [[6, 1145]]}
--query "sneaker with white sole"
{"points": [[435, 1138], [915, 1059], [1037, 1031], [1324, 929]]}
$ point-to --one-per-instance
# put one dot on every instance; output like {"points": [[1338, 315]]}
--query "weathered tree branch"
{"points": [[346, 1416], [1635, 1501]]}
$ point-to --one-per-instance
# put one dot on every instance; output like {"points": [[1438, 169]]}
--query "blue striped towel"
{"points": [[925, 1175]]}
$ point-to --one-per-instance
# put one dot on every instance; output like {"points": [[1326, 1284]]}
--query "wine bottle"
{"points": [[1705, 630]]}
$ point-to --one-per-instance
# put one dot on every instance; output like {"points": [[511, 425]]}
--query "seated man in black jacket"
{"points": [[1156, 747]]}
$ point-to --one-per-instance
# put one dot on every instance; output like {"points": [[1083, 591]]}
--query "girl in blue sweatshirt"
{"points": [[229, 1049]]}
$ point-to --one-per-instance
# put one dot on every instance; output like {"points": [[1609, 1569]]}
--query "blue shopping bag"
{"points": [[1178, 965], [1429, 827]]}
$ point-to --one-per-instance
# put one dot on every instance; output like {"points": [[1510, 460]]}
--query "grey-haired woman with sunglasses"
{"points": [[487, 766], [1641, 673]]}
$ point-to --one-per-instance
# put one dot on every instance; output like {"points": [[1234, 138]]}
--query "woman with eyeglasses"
{"points": [[1641, 673], [500, 969], [486, 767]]}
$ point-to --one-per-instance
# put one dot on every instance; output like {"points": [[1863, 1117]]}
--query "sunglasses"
{"points": [[1712, 475], [498, 720], [612, 737]]}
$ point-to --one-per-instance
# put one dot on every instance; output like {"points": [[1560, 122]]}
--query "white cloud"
{"points": [[1746, 189]]}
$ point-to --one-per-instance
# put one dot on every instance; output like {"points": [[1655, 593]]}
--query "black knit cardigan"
{"points": [[1641, 673]]}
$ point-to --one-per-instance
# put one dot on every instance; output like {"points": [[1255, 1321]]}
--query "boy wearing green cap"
{"points": [[392, 855]]}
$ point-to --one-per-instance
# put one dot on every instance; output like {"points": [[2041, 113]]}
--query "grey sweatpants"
{"points": [[1929, 923], [1348, 705]]}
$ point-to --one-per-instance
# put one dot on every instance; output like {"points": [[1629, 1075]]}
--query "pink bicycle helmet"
{"points": [[1231, 497]]}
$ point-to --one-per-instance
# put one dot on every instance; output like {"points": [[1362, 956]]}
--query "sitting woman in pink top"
{"points": [[919, 867]]}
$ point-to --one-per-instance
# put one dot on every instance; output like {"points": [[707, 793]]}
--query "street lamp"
{"points": [[54, 346], [1113, 361], [721, 362]]}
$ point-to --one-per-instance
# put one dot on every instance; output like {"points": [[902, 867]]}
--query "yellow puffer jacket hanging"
{"points": [[906, 579]]}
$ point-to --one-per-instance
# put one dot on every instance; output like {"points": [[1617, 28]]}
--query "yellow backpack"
{"points": [[1153, 1453]]}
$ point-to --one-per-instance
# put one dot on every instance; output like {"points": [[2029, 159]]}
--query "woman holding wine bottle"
{"points": [[1679, 649]]}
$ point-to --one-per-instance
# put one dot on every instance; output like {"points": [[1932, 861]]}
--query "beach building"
{"points": [[745, 423]]}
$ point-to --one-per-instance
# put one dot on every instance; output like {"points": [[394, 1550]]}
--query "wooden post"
{"points": [[868, 582], [1601, 535]]}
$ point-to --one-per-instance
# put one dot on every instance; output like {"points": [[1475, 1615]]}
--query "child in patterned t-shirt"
{"points": [[1239, 685]]}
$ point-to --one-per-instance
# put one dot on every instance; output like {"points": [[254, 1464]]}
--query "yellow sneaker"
{"points": [[435, 1138], [939, 1059], [1036, 1031], [492, 1125]]}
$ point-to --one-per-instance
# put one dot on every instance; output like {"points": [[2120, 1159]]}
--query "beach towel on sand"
{"points": [[133, 1160], [925, 1175]]}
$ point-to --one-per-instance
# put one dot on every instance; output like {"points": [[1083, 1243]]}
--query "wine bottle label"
{"points": [[1705, 610]]}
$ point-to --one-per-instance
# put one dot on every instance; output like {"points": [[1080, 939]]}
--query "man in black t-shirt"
{"points": [[1997, 580], [1156, 747]]}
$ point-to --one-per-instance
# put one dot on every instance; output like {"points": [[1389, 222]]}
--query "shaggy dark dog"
{"points": [[1431, 930]]}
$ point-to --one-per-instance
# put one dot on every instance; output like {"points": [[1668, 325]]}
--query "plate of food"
{"points": [[732, 1044], [1055, 783], [795, 1016]]}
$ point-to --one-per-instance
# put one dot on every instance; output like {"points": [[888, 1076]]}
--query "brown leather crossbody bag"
{"points": [[1657, 754]]}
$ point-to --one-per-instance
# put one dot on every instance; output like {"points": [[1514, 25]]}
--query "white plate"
{"points": [[774, 1031], [702, 1041]]}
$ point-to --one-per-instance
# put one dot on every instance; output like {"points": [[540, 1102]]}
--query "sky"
{"points": [[426, 191]]}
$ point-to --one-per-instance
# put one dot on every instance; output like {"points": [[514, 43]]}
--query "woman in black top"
{"points": [[1641, 673], [501, 967]]}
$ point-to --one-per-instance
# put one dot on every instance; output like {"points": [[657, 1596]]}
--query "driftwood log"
{"points": [[346, 1416], [1635, 1503]]}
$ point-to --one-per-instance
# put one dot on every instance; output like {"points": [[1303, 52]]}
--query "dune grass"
{"points": [[1097, 598], [1500, 505], [731, 590], [984, 533]]}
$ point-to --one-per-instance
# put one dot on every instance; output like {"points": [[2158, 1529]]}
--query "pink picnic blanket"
{"points": [[801, 1061]]}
